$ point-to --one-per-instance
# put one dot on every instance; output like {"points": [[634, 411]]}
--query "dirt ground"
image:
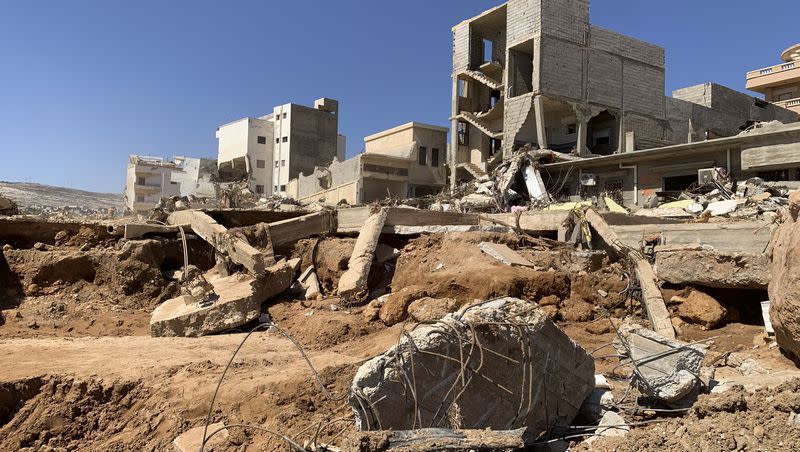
{"points": [[82, 373]]}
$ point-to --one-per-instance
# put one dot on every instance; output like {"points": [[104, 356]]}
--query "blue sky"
{"points": [[85, 83]]}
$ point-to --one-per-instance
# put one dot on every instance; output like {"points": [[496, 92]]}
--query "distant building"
{"points": [[272, 149], [780, 84], [405, 161], [152, 178]]}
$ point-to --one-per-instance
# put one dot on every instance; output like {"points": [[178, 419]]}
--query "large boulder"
{"points": [[501, 365], [702, 309], [784, 288]]}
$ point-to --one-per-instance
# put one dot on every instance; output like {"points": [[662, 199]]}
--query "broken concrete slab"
{"points": [[223, 241], [504, 254], [653, 302], [713, 269], [192, 440], [294, 229], [734, 237], [239, 302], [666, 369], [499, 364], [139, 231], [353, 283], [310, 283], [611, 425]]}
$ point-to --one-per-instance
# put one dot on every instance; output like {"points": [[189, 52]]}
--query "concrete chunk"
{"points": [[666, 369], [191, 440], [223, 241], [353, 282], [504, 254], [519, 370], [310, 283], [713, 269], [239, 302]]}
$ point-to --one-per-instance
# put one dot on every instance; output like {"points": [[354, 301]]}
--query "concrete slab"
{"points": [[713, 269], [504, 254], [239, 302]]}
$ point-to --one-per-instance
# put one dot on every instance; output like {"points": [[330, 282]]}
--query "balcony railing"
{"points": [[789, 103], [778, 68]]}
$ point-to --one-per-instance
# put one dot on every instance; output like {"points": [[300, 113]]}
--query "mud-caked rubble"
{"points": [[784, 288], [501, 364]]}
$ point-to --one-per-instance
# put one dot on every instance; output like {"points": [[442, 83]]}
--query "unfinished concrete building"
{"points": [[536, 72], [405, 161], [270, 150]]}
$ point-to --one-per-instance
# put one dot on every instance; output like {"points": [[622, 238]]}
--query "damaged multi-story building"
{"points": [[270, 150], [536, 72], [780, 83], [150, 179], [404, 161]]}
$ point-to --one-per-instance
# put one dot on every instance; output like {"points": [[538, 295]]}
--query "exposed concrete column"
{"points": [[583, 123], [541, 133], [621, 134], [453, 151]]}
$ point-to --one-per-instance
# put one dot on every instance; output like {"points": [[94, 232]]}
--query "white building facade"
{"points": [[271, 150], [150, 179]]}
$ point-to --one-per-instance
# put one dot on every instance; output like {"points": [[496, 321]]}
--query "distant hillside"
{"points": [[37, 195]]}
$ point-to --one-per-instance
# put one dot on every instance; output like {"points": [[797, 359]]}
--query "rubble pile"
{"points": [[508, 328]]}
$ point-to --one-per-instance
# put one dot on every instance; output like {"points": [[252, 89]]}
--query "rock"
{"points": [[39, 246], [7, 247], [702, 309], [32, 289], [238, 301], [603, 326], [577, 311], [395, 309], [599, 401], [310, 284], [602, 293], [191, 440], [612, 424], [668, 369], [722, 207], [33, 325], [695, 208], [547, 374], [372, 311], [60, 236], [431, 309], [551, 311], [784, 288], [550, 300]]}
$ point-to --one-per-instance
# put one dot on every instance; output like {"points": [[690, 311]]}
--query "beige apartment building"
{"points": [[780, 84], [405, 161]]}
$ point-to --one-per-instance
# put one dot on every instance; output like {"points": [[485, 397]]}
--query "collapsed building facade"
{"points": [[534, 72]]}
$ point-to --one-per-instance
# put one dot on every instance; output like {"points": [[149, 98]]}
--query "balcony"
{"points": [[790, 104], [773, 76]]}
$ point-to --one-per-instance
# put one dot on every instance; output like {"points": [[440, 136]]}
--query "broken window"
{"points": [[520, 71], [463, 133], [283, 187], [261, 164], [285, 139], [422, 155], [262, 140], [259, 189], [572, 129], [277, 140], [435, 158], [284, 116]]}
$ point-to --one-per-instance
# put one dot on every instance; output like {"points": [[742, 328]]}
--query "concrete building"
{"points": [[150, 179], [405, 161], [771, 152], [272, 149], [780, 84], [536, 72]]}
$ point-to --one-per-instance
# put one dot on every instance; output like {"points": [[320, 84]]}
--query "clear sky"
{"points": [[85, 83]]}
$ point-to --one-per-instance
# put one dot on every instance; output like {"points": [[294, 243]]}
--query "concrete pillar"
{"points": [[690, 137], [453, 151], [583, 151], [541, 133], [621, 134]]}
